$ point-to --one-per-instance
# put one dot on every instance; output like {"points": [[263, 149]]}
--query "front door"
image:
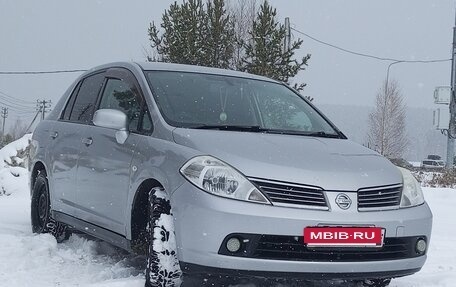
{"points": [[104, 164]]}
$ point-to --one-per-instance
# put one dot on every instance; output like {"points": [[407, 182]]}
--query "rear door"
{"points": [[104, 164], [65, 144]]}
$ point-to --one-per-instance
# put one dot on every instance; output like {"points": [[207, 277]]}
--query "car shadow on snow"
{"points": [[239, 282]]}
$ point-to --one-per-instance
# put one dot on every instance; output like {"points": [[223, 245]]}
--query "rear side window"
{"points": [[69, 106], [84, 105]]}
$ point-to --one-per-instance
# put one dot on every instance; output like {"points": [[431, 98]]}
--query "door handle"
{"points": [[54, 135], [87, 141]]}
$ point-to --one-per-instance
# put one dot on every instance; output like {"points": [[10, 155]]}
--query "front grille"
{"points": [[385, 197], [293, 248], [291, 194]]}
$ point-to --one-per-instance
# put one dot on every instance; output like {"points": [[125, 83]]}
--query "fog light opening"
{"points": [[233, 244], [421, 246]]}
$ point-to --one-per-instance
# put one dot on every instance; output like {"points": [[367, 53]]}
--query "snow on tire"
{"points": [[375, 283], [58, 230], [163, 268]]}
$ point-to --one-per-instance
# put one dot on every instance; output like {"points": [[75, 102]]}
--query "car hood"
{"points": [[332, 164]]}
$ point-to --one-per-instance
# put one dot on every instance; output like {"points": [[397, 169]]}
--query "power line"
{"points": [[16, 106], [19, 109], [24, 107], [12, 102], [40, 72], [368, 55], [16, 99]]}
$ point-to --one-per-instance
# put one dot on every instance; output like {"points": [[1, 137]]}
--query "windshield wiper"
{"points": [[259, 129], [229, 128], [323, 134], [320, 134]]}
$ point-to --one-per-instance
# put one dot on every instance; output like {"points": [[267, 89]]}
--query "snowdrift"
{"points": [[13, 171]]}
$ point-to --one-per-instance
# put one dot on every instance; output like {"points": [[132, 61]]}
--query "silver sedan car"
{"points": [[215, 172]]}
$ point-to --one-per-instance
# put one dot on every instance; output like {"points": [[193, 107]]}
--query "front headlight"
{"points": [[216, 177], [412, 195]]}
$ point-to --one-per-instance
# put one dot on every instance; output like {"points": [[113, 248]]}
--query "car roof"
{"points": [[160, 66]]}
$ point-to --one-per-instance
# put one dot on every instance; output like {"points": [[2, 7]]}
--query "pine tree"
{"points": [[194, 33], [183, 33], [220, 37], [265, 54]]}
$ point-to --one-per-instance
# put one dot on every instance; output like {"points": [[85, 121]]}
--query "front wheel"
{"points": [[42, 222], [163, 268], [374, 283]]}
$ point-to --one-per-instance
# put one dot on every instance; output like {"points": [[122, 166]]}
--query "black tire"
{"points": [[42, 222], [375, 282], [162, 244]]}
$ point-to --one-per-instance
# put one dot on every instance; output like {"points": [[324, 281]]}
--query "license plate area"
{"points": [[344, 237]]}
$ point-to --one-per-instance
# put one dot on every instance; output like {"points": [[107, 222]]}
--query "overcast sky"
{"points": [[49, 35]]}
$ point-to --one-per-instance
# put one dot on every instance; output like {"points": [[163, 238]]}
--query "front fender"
{"points": [[159, 160]]}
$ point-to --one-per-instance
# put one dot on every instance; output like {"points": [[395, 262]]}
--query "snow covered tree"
{"points": [[265, 54], [194, 33], [387, 134]]}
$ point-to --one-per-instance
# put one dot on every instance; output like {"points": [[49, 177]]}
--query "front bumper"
{"points": [[202, 222], [204, 272]]}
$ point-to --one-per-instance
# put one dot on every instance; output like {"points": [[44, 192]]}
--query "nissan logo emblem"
{"points": [[343, 201]]}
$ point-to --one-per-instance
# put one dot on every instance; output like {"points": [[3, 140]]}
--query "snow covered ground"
{"points": [[37, 260]]}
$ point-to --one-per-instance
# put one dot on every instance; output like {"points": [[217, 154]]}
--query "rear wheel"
{"points": [[42, 222], [163, 268]]}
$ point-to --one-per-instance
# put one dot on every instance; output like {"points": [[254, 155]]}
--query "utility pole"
{"points": [[43, 107], [31, 123], [287, 40], [452, 126], [4, 115]]}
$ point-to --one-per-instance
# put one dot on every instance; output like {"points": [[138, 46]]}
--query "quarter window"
{"points": [[146, 123]]}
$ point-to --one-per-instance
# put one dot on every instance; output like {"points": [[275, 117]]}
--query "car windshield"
{"points": [[195, 100]]}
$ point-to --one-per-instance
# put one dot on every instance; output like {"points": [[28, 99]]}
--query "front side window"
{"points": [[119, 95], [84, 105], [197, 100]]}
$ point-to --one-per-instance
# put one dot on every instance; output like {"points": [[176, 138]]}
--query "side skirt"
{"points": [[93, 230]]}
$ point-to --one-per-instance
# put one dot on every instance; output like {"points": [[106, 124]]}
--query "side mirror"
{"points": [[113, 119]]}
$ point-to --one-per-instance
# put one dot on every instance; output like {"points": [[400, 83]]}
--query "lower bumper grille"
{"points": [[286, 247], [278, 247]]}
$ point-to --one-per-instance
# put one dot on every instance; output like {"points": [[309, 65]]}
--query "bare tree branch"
{"points": [[387, 131], [244, 13]]}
